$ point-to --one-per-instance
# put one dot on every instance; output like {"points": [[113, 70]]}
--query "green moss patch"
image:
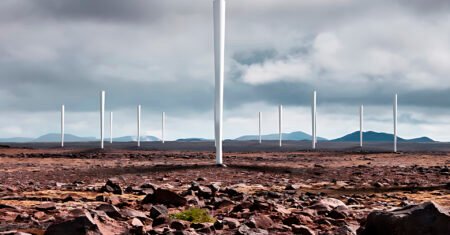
{"points": [[194, 215]]}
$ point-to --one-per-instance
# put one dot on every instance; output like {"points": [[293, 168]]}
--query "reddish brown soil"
{"points": [[30, 176]]}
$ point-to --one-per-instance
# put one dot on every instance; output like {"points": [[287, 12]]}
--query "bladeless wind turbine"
{"points": [[102, 118], [163, 125], [361, 125], [395, 123], [139, 126], [219, 59], [259, 127], [280, 124], [62, 126], [313, 120], [110, 127]]}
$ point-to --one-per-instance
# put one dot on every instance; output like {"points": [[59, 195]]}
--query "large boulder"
{"points": [[165, 197], [81, 225], [424, 219]]}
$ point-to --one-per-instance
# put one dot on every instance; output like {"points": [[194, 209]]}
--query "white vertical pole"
{"points": [[163, 125], [395, 123], [280, 123], [260, 123], [139, 125], [110, 127], [313, 118], [219, 58], [102, 118], [62, 126], [361, 125]]}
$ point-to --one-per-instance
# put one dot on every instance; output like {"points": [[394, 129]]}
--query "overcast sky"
{"points": [[159, 53]]}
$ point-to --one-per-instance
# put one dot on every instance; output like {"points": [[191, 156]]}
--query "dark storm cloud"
{"points": [[160, 54], [38, 89], [426, 6], [113, 11], [253, 57]]}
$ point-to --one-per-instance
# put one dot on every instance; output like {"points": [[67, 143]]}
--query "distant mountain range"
{"points": [[371, 136], [16, 140], [53, 137], [134, 138], [192, 140], [297, 135]]}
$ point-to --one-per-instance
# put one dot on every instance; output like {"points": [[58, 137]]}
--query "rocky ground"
{"points": [[88, 191]]}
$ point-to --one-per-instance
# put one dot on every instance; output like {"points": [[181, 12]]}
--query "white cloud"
{"points": [[402, 51], [291, 69]]}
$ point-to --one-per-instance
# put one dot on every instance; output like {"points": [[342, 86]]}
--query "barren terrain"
{"points": [[42, 185]]}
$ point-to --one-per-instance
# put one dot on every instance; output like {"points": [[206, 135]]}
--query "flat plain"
{"points": [[262, 189]]}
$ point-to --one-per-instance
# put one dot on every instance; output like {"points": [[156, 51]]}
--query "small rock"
{"points": [[204, 192], [137, 227], [46, 206], [378, 185], [291, 220], [112, 186], [245, 230], [291, 187], [39, 215], [110, 210], [223, 203], [260, 206], [339, 212], [260, 221], [179, 225], [218, 225], [131, 213], [160, 220], [302, 230], [327, 204], [149, 185], [345, 230], [203, 228], [231, 223], [215, 187], [158, 210], [136, 223]]}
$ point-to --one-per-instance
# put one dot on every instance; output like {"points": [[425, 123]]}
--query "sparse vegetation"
{"points": [[194, 215]]}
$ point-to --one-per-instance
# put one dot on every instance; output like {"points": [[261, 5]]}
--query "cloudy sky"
{"points": [[159, 53]]}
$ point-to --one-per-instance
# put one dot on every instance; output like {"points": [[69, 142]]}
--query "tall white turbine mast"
{"points": [[102, 118], [313, 120], [219, 59], [110, 127], [361, 125], [260, 123], [62, 126], [163, 125], [139, 125], [280, 123], [395, 123]]}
